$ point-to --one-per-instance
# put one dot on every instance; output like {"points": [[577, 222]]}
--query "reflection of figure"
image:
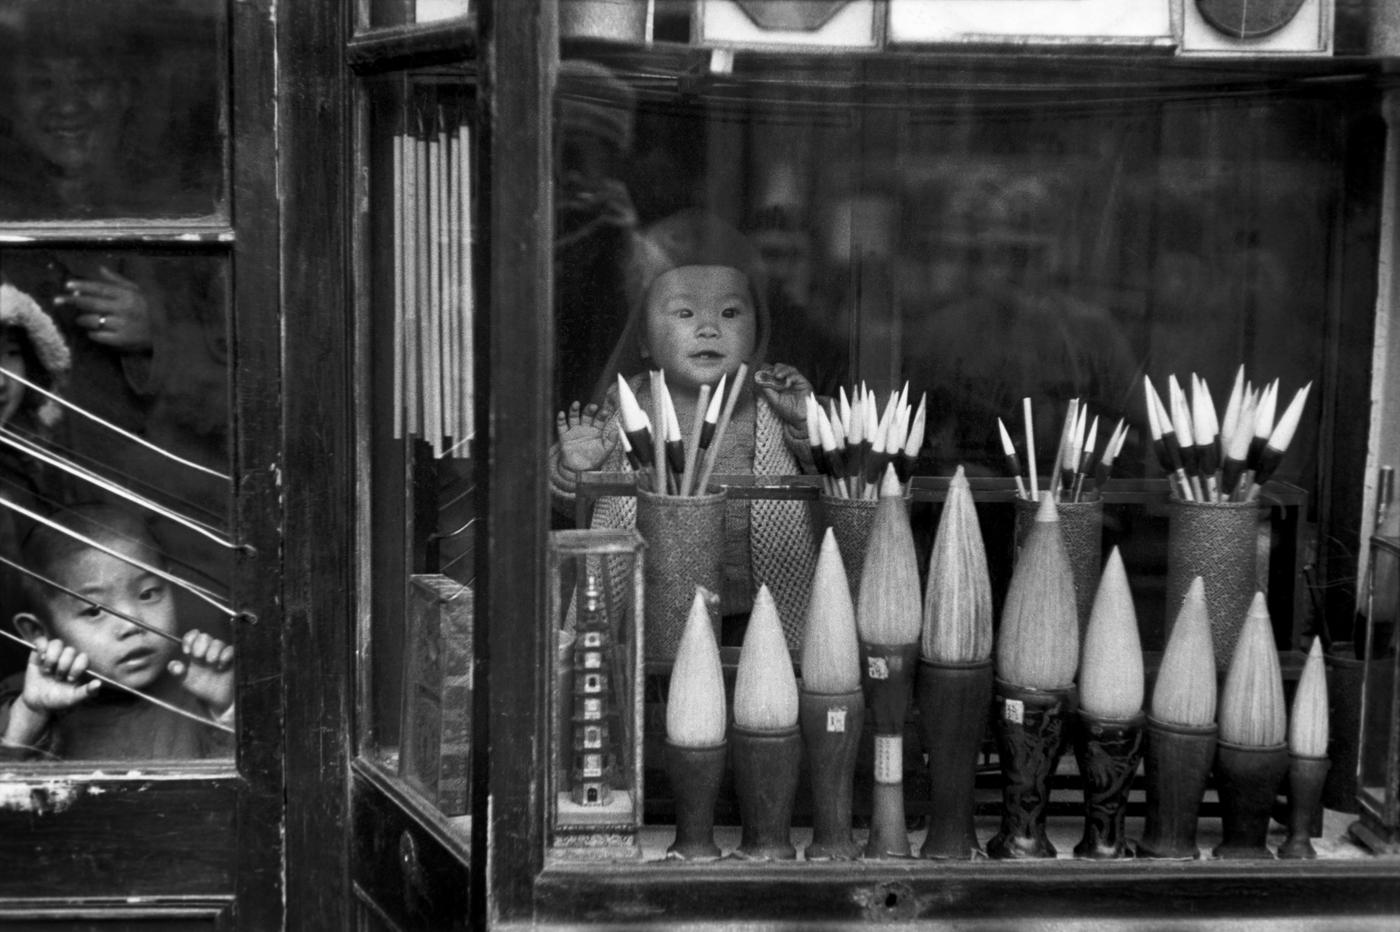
{"points": [[68, 86], [53, 709], [1005, 328], [594, 222], [699, 312]]}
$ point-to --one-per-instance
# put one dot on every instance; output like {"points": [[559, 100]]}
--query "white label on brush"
{"points": [[1015, 711], [836, 719], [877, 668], [889, 759]]}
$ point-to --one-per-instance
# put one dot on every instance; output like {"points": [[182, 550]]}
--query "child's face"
{"points": [[701, 324], [69, 111], [116, 648], [11, 360]]}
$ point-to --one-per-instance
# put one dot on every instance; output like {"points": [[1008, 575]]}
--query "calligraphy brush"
{"points": [[1013, 464], [712, 454], [833, 454], [889, 619], [695, 728], [767, 743], [1307, 756], [915, 439], [1185, 433], [831, 704], [1237, 448], [1263, 424], [1171, 444], [1252, 756], [1037, 652], [675, 446], [1109, 741], [1086, 457], [1111, 450], [1279, 439], [954, 686], [1032, 479], [634, 424], [1207, 431], [1064, 454], [692, 449]]}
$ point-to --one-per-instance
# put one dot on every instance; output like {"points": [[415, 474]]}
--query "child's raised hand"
{"points": [[207, 670], [53, 681], [786, 391], [581, 436]]}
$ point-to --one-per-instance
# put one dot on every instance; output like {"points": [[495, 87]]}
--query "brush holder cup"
{"points": [[1179, 759], [1219, 542], [1306, 776], [695, 778], [1108, 752], [1081, 529], [831, 726], [685, 549], [850, 520], [1031, 725], [766, 767], [1248, 779], [955, 701]]}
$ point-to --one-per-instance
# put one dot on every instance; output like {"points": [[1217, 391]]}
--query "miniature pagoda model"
{"points": [[594, 711]]}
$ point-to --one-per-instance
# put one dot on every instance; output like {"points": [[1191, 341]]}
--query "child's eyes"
{"points": [[90, 611], [731, 312], [151, 593], [684, 312]]}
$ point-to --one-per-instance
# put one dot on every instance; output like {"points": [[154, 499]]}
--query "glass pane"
{"points": [[112, 110], [115, 482], [423, 503], [403, 12], [995, 236]]}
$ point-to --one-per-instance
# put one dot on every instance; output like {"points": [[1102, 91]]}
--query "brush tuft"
{"points": [[1185, 690], [957, 620], [1039, 643], [830, 647], [695, 708], [1252, 711], [1110, 672], [765, 688], [1307, 727], [890, 606]]}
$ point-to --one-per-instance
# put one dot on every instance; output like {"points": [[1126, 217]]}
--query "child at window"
{"points": [[697, 311], [52, 707]]}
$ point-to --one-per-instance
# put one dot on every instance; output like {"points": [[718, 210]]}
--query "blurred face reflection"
{"points": [[69, 111]]}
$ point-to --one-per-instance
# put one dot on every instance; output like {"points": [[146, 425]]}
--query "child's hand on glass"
{"points": [[207, 670], [786, 390], [582, 446]]}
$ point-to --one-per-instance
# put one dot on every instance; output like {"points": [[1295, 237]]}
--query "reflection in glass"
{"points": [[111, 110], [422, 505], [116, 489]]}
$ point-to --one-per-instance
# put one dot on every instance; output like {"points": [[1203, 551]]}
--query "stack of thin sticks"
{"points": [[1076, 470], [1212, 460], [432, 278], [669, 465], [852, 440]]}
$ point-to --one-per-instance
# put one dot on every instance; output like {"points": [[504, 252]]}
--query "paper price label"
{"points": [[877, 668], [1014, 711], [889, 759], [836, 720]]}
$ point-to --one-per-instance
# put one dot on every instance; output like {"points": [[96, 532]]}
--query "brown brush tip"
{"points": [[1110, 671], [695, 708], [765, 688], [1185, 690], [957, 620], [889, 610], [1038, 647], [1252, 712], [1307, 726], [830, 647]]}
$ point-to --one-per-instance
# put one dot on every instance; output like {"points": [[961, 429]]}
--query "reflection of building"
{"points": [[594, 753]]}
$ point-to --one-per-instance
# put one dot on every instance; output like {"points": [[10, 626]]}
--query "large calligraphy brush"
{"points": [[695, 726], [1109, 741], [1307, 756], [1181, 732], [767, 743], [888, 619], [1036, 657], [831, 704], [955, 672], [1252, 756]]}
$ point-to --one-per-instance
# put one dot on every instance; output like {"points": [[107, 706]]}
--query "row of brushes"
{"points": [[669, 464], [1076, 471], [852, 440], [1213, 460]]}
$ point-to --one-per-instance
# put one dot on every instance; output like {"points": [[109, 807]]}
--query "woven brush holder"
{"points": [[685, 549], [1218, 541], [1081, 529], [620, 20], [850, 520]]}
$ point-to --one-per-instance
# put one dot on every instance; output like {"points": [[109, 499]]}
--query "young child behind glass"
{"points": [[54, 708]]}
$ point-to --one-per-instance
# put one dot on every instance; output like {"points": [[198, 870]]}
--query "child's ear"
{"points": [[29, 626]]}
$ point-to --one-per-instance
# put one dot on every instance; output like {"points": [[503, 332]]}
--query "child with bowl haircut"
{"points": [[53, 708], [696, 312]]}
